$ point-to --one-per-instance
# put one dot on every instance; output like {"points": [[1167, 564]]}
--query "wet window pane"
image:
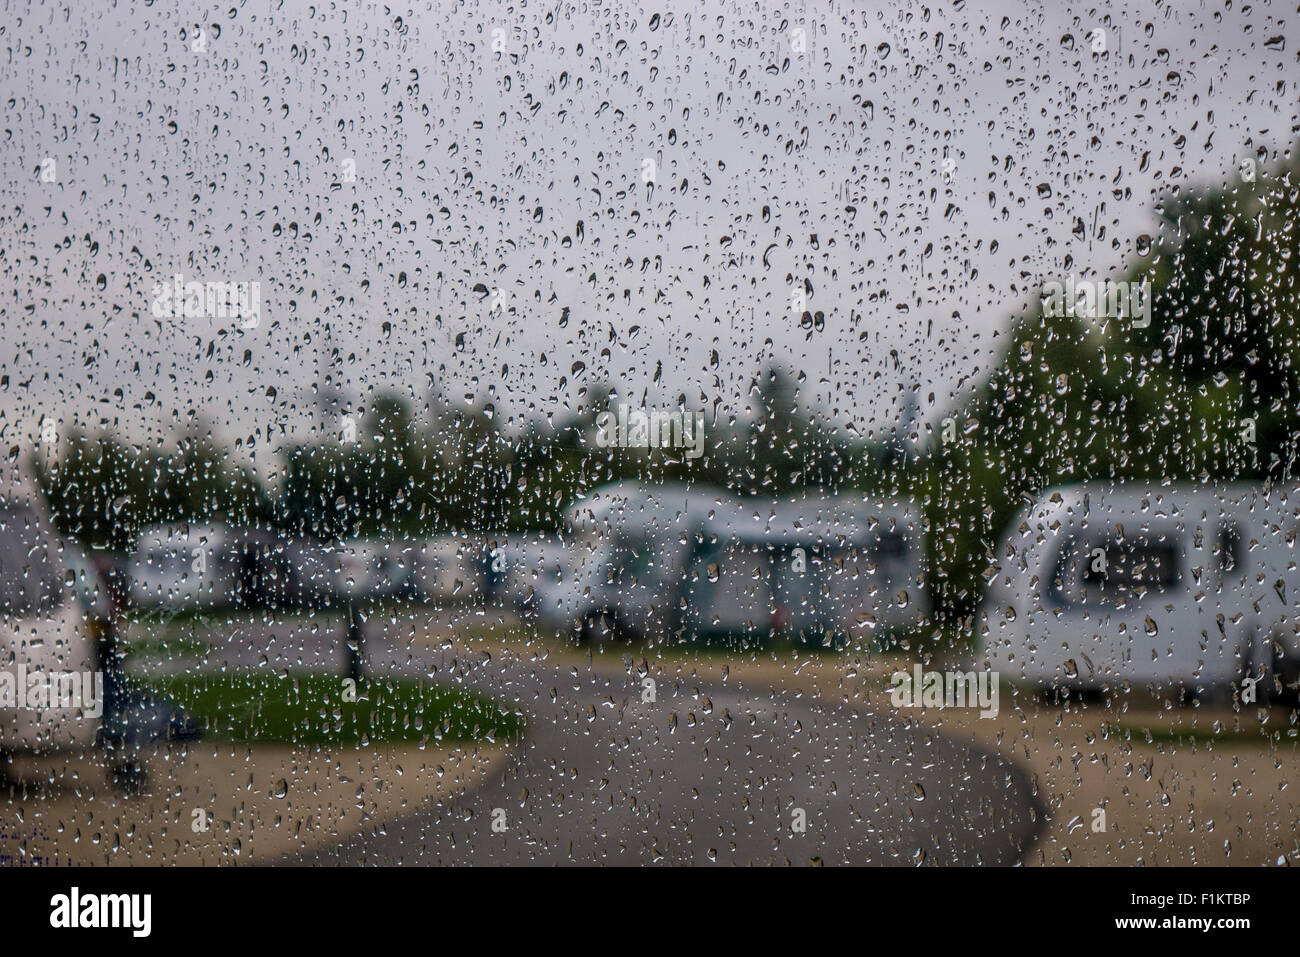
{"points": [[595, 433]]}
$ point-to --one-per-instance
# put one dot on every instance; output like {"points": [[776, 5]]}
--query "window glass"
{"points": [[575, 432], [1134, 565]]}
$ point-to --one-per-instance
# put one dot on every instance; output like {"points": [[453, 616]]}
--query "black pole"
{"points": [[109, 651], [355, 641]]}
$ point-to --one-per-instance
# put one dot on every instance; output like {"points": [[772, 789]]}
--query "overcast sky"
{"points": [[523, 171]]}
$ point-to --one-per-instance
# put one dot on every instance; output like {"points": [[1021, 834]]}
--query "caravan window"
{"points": [[889, 546], [1132, 564], [170, 561], [630, 561], [1229, 550]]}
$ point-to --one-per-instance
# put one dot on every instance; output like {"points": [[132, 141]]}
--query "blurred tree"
{"points": [[1077, 398]]}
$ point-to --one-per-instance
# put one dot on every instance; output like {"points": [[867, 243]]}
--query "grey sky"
{"points": [[474, 167]]}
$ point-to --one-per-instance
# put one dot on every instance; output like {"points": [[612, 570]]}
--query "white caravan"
{"points": [[663, 562], [626, 560], [841, 566], [182, 568], [445, 569], [529, 561], [368, 570], [45, 637], [1180, 585], [892, 584]]}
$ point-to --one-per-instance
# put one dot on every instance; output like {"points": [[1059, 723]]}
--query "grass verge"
{"points": [[1261, 735], [314, 709]]}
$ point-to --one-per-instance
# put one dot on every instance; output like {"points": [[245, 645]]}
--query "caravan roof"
{"points": [[834, 520], [182, 536], [1084, 504], [1268, 516], [637, 505]]}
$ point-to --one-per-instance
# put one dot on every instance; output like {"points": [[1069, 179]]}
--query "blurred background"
{"points": [[380, 521]]}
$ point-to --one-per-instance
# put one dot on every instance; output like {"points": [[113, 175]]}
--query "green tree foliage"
{"points": [[104, 492], [1207, 392]]}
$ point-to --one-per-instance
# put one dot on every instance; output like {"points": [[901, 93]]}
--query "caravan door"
{"points": [[728, 592]]}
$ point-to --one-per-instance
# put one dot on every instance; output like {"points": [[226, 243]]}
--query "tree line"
{"points": [[1207, 391]]}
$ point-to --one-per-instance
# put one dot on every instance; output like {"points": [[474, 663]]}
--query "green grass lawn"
{"points": [[312, 709], [169, 647], [1275, 734]]}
